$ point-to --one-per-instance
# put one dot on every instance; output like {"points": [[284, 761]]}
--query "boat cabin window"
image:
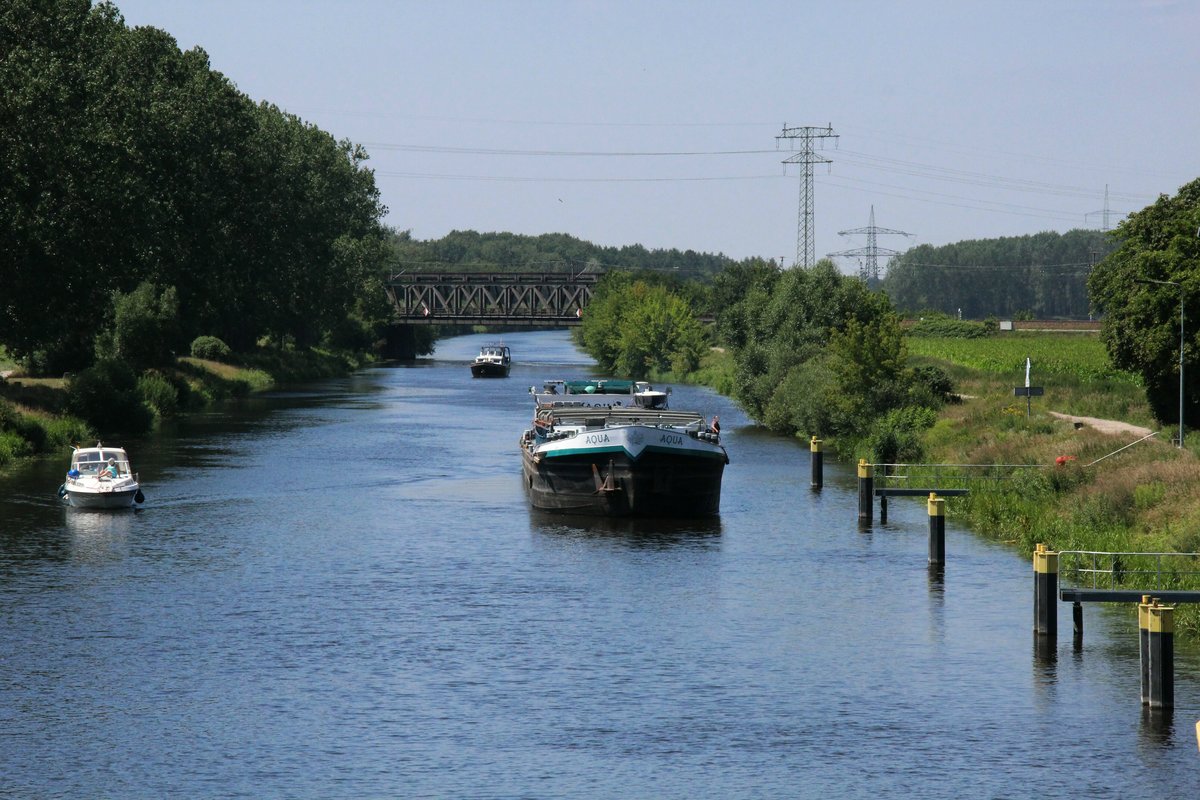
{"points": [[93, 460], [87, 462]]}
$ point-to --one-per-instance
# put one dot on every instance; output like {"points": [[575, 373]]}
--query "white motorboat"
{"points": [[493, 361], [101, 477]]}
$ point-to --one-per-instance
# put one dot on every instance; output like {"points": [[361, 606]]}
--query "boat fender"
{"points": [[139, 497], [62, 492]]}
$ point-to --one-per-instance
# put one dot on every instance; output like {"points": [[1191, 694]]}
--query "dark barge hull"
{"points": [[657, 484]]}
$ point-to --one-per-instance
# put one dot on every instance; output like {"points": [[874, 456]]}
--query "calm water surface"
{"points": [[341, 591]]}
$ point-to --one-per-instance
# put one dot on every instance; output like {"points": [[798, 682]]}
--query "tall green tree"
{"points": [[634, 328], [124, 160], [817, 352], [1141, 320], [61, 200]]}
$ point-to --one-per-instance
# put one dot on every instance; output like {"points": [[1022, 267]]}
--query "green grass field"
{"points": [[1111, 494], [1078, 355], [1072, 368]]}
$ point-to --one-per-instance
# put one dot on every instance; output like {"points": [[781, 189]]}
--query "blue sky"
{"points": [[655, 123]]}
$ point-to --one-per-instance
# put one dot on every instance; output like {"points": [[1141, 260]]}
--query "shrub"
{"points": [[12, 447], [803, 402], [106, 396], [22, 427], [948, 327], [896, 438], [210, 348], [158, 393], [145, 324], [932, 382], [63, 431]]}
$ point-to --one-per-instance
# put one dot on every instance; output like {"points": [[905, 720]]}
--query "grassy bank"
{"points": [[1075, 488], [1070, 488], [35, 413]]}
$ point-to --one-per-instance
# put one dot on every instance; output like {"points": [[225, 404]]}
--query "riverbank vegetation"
{"points": [[149, 206], [812, 352], [1072, 488], [807, 351], [39, 415]]}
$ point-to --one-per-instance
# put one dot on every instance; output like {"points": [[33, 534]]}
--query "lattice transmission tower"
{"points": [[1104, 226], [807, 156], [869, 265]]}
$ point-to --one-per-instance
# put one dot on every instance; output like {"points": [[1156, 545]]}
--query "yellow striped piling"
{"points": [[1160, 631], [1144, 646], [818, 463], [866, 490], [1045, 592], [937, 530]]}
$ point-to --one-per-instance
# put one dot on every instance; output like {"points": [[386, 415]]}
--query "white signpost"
{"points": [[1028, 391]]}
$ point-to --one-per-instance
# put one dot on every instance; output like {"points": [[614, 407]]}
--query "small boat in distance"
{"points": [[493, 361], [612, 448], [101, 477]]}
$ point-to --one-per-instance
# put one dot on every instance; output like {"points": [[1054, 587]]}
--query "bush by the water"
{"points": [[17, 434], [210, 348], [23, 435], [106, 396], [158, 392], [898, 436]]}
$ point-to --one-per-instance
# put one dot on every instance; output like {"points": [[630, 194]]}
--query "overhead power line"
{"points": [[499, 151], [1082, 266], [560, 179]]}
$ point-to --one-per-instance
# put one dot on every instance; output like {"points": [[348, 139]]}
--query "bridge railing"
{"points": [[1094, 569], [517, 298]]}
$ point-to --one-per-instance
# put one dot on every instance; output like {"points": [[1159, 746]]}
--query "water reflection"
{"points": [[638, 532], [1158, 726], [1045, 660], [99, 535], [937, 581]]}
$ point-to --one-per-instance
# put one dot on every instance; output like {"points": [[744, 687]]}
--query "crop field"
{"points": [[1074, 355]]}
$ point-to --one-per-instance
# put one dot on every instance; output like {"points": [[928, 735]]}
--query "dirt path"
{"points": [[1105, 425]]}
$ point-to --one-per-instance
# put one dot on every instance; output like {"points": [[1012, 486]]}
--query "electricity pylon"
{"points": [[805, 249], [1103, 225], [869, 268]]}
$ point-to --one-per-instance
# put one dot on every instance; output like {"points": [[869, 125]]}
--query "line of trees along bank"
{"points": [[514, 252], [814, 351], [133, 174], [1041, 276]]}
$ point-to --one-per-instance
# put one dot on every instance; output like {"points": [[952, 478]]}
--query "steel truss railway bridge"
{"points": [[490, 298]]}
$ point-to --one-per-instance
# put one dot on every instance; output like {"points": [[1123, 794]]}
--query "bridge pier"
{"points": [[406, 342]]}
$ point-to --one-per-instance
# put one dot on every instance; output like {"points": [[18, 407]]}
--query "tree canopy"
{"points": [[818, 352], [1042, 275], [124, 161], [1141, 319], [634, 327], [550, 252]]}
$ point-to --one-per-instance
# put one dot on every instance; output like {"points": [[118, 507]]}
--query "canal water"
{"points": [[340, 590]]}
